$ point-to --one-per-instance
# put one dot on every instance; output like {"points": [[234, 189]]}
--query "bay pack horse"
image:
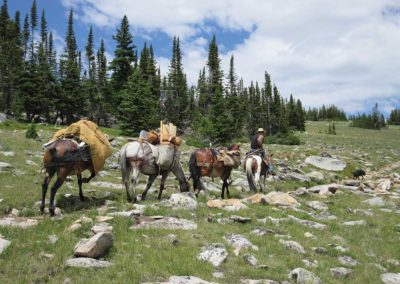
{"points": [[65, 157], [257, 167], [204, 162], [141, 157]]}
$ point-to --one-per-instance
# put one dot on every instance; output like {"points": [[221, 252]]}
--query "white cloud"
{"points": [[342, 52]]}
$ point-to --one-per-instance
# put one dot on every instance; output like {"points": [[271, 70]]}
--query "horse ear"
{"points": [[111, 139], [271, 155]]}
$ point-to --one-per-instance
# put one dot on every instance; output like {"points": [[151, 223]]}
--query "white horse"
{"points": [[140, 157], [255, 168]]}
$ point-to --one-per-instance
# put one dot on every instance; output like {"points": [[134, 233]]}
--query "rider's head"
{"points": [[260, 130]]}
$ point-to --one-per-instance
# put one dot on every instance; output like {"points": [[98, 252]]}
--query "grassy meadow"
{"points": [[149, 256]]}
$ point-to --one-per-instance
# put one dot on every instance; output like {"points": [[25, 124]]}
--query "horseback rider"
{"points": [[257, 142]]}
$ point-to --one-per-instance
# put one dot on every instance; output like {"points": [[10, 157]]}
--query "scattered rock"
{"points": [[280, 198], [238, 242], [340, 272], [259, 231], [107, 185], [310, 263], [218, 274], [128, 214], [355, 223], [87, 262], [377, 202], [324, 216], [378, 266], [169, 223], [101, 227], [3, 117], [392, 261], [339, 248], [308, 223], [390, 278], [383, 186], [309, 235], [325, 189], [317, 205], [250, 259], [258, 281], [347, 261], [18, 222], [102, 219], [326, 163], [4, 244], [183, 280], [302, 276], [183, 200], [46, 255], [213, 253], [320, 250], [240, 219], [315, 176], [53, 239], [8, 153], [297, 176], [4, 167], [293, 245], [95, 246], [351, 182], [227, 204], [74, 227], [31, 163]]}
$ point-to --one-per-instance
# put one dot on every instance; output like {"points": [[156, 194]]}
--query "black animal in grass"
{"points": [[358, 173]]}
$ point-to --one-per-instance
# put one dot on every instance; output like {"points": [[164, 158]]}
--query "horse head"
{"points": [[270, 166], [234, 153]]}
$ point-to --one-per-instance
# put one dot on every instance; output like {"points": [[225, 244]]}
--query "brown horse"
{"points": [[65, 158], [257, 167], [204, 162]]}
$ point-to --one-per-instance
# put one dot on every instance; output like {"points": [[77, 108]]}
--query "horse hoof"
{"points": [[52, 212], [42, 209]]}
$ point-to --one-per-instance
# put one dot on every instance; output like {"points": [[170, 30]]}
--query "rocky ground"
{"points": [[313, 224]]}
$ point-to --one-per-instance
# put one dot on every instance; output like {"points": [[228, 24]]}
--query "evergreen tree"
{"points": [[25, 35], [394, 117], [121, 65], [215, 74], [105, 103], [34, 21]]}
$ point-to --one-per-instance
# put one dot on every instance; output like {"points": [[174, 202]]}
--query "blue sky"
{"points": [[324, 52]]}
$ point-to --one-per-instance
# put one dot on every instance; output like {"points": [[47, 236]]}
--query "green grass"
{"points": [[148, 255]]}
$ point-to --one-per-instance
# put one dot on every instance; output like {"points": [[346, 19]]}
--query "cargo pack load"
{"points": [[90, 133]]}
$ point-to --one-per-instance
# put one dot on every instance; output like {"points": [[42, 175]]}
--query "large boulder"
{"points": [[184, 200], [95, 246], [280, 198], [326, 163], [303, 276]]}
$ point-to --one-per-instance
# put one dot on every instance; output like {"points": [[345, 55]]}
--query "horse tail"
{"points": [[122, 164], [249, 174], [194, 170]]}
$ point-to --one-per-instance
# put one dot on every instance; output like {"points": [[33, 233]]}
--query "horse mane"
{"points": [[234, 147]]}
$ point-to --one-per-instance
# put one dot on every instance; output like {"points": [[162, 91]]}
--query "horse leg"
{"points": [[163, 178], [45, 185], [125, 177], [227, 188], [135, 174], [62, 174], [150, 181], [92, 175], [81, 197]]}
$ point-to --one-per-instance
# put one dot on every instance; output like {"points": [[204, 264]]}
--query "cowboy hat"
{"points": [[260, 130]]}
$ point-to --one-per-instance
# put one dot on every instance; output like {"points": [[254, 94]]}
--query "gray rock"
{"points": [[377, 202], [303, 276], [324, 216], [8, 153], [390, 278], [250, 259], [15, 212], [103, 174], [107, 184], [347, 261], [326, 163], [317, 205], [308, 223], [320, 250], [378, 266], [31, 163], [310, 263], [238, 242], [87, 262], [53, 239], [315, 176], [339, 248], [383, 186], [340, 272], [4, 244], [184, 200], [297, 176], [101, 227], [127, 214], [240, 219], [4, 167], [20, 222], [325, 189], [95, 246], [394, 262], [3, 117], [213, 253], [218, 274], [169, 223], [262, 231], [351, 182], [355, 223], [293, 245]]}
